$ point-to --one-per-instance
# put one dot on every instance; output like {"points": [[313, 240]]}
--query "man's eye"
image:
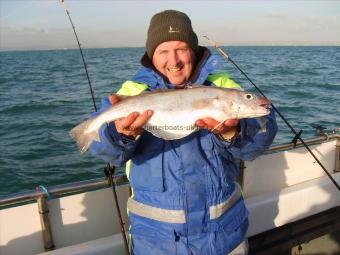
{"points": [[182, 50]]}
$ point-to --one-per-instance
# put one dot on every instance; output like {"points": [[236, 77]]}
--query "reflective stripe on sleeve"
{"points": [[155, 213], [219, 209], [223, 80]]}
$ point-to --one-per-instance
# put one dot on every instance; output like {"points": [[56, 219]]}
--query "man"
{"points": [[185, 197]]}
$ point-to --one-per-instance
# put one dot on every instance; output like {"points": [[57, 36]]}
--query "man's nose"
{"points": [[173, 58]]}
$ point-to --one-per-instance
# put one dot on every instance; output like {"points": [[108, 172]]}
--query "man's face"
{"points": [[175, 60]]}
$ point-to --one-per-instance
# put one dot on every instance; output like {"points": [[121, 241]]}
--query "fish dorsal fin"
{"points": [[192, 86], [233, 88], [238, 88], [159, 90]]}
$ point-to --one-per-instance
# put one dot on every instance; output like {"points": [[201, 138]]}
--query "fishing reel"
{"points": [[319, 130]]}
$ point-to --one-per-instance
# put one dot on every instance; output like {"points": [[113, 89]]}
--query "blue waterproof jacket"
{"points": [[185, 196]]}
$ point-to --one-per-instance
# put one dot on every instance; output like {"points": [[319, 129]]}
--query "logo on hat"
{"points": [[174, 29]]}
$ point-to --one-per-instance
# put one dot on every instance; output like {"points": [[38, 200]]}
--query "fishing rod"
{"points": [[297, 134], [81, 53], [108, 170]]}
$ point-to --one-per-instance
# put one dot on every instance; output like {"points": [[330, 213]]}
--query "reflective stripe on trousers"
{"points": [[178, 216]]}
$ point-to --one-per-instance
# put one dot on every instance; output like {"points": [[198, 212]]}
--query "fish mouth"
{"points": [[265, 103], [264, 110], [264, 107]]}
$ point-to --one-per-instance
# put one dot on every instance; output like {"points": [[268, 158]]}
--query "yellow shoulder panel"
{"points": [[131, 88], [223, 80]]}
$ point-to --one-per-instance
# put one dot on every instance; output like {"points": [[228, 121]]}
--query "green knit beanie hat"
{"points": [[170, 25]]}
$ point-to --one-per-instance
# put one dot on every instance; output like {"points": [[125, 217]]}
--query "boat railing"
{"points": [[325, 137], [60, 190], [41, 195], [100, 183]]}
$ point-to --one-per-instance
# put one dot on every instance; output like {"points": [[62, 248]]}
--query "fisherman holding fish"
{"points": [[182, 147]]}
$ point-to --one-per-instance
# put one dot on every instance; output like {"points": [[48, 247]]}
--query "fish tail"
{"points": [[83, 136]]}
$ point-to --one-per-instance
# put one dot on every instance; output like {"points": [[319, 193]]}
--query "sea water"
{"points": [[43, 94]]}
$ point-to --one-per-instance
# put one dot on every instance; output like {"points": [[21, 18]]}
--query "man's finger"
{"points": [[210, 122], [231, 122], [200, 123], [141, 120], [114, 99], [127, 121]]}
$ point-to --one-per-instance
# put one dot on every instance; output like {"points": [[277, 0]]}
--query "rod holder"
{"points": [[337, 155], [240, 177], [45, 223]]}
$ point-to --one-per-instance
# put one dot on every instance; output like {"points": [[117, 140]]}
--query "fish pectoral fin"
{"points": [[219, 124], [171, 132], [168, 135]]}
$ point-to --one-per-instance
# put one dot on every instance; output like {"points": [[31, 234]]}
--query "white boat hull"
{"points": [[279, 188]]}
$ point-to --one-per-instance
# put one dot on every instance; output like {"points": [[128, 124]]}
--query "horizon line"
{"points": [[134, 47]]}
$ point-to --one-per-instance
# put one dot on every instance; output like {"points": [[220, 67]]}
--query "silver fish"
{"points": [[175, 111]]}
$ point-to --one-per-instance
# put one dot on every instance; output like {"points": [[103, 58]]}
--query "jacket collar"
{"points": [[206, 64]]}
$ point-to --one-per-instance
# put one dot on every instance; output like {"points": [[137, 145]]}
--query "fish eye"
{"points": [[248, 96]]}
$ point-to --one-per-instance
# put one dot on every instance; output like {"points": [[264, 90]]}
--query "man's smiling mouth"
{"points": [[173, 69]]}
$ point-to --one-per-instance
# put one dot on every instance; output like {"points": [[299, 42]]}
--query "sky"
{"points": [[43, 24]]}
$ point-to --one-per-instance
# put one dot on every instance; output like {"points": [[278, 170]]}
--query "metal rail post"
{"points": [[45, 223]]}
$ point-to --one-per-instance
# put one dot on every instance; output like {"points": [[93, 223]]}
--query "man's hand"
{"points": [[131, 125], [227, 129]]}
